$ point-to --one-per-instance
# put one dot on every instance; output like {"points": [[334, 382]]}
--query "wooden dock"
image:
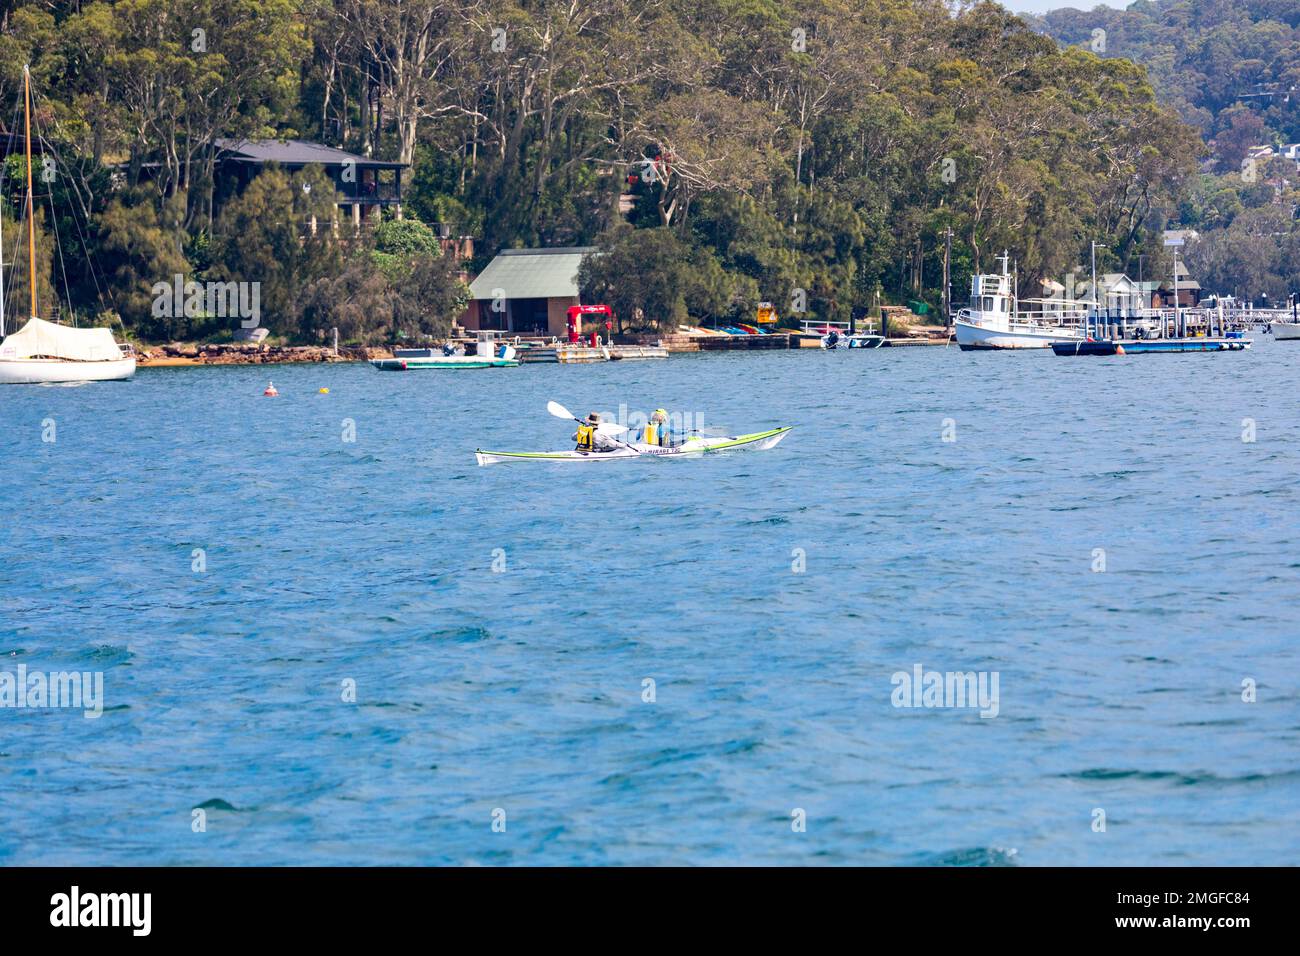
{"points": [[661, 346], [585, 355], [680, 342], [721, 343]]}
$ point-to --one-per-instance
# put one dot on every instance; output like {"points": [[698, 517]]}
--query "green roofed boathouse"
{"points": [[532, 290]]}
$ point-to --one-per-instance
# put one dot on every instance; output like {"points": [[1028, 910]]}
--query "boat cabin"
{"points": [[990, 294]]}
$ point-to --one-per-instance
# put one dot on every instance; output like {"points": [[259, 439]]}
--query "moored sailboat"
{"points": [[44, 352]]}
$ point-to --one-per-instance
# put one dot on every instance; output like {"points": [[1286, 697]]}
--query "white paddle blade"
{"points": [[558, 410], [610, 429]]}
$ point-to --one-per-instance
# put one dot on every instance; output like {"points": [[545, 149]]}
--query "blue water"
{"points": [[521, 690]]}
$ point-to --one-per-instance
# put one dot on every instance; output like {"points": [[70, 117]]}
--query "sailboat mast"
{"points": [[2, 272], [31, 224]]}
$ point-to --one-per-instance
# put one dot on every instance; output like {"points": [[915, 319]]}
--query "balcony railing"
{"points": [[368, 192]]}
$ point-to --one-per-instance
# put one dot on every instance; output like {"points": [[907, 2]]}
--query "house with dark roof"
{"points": [[1189, 291], [527, 291], [365, 186]]}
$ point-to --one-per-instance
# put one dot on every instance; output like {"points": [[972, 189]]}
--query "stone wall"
{"points": [[249, 353]]}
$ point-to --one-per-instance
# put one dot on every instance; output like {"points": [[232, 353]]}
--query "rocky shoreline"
{"points": [[250, 353]]}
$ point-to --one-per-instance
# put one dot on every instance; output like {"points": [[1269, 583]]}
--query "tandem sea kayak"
{"points": [[697, 445]]}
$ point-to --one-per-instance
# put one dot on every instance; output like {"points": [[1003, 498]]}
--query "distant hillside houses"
{"points": [[1258, 156], [1290, 151]]}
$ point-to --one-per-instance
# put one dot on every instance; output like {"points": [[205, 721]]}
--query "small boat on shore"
{"points": [[694, 446], [840, 335], [489, 352], [864, 340]]}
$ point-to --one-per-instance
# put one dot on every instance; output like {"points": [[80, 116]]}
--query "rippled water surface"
{"points": [[522, 691]]}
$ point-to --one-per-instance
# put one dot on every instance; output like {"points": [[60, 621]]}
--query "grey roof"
{"points": [[532, 273], [295, 152]]}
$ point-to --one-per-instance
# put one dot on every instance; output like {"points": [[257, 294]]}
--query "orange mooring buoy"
{"points": [[1119, 349], [270, 390]]}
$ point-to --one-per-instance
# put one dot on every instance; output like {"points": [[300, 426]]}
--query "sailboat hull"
{"points": [[38, 371]]}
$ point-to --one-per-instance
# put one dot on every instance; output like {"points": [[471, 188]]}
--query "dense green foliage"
{"points": [[1232, 69], [809, 153], [1206, 57], [1249, 243]]}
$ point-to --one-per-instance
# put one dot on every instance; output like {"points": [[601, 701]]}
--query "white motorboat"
{"points": [[994, 319], [864, 340], [840, 335], [1283, 331], [489, 352]]}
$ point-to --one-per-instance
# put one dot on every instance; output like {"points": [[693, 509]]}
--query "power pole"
{"points": [[947, 287], [1094, 287]]}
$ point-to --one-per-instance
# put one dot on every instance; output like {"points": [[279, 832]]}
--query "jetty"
{"points": [[1138, 346], [569, 354]]}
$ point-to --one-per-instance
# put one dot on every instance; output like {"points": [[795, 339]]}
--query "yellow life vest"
{"points": [[652, 434], [586, 438]]}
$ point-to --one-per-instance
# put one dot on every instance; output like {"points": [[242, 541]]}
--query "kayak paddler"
{"points": [[657, 431], [588, 437]]}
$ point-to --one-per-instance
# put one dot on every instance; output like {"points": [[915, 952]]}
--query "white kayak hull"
{"points": [[692, 447], [39, 371]]}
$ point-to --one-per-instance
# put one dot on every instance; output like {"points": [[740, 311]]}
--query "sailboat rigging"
{"points": [[42, 351]]}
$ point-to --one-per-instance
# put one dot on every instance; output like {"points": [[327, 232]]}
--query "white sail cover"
{"points": [[41, 339]]}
